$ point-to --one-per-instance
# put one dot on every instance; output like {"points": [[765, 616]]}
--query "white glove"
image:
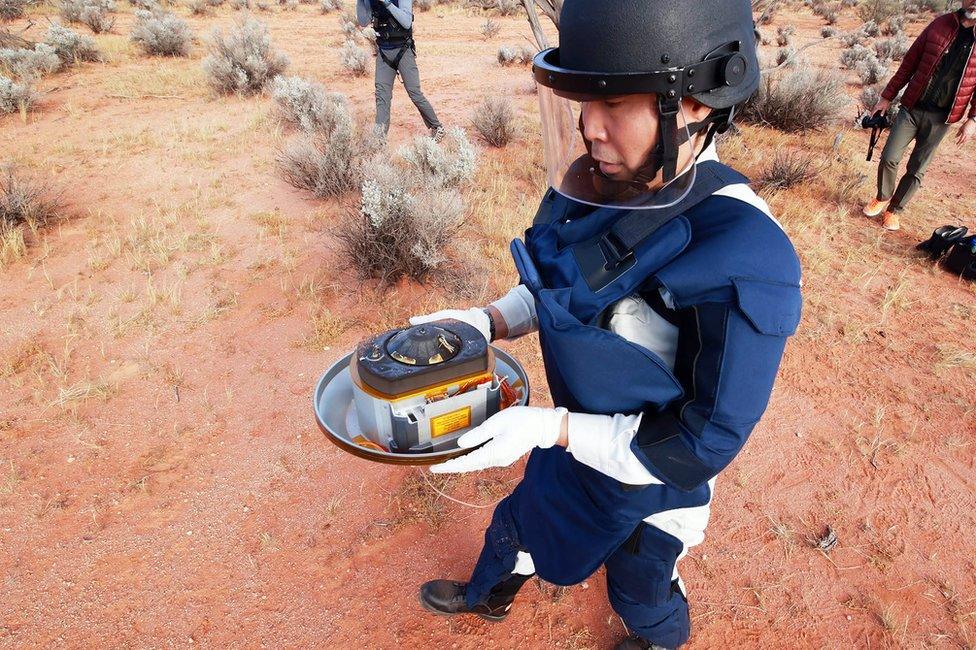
{"points": [[511, 434], [476, 317]]}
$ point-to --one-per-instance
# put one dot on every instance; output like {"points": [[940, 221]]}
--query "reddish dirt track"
{"points": [[162, 480]]}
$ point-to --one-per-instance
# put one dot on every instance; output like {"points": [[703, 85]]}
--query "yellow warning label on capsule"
{"points": [[450, 422]]}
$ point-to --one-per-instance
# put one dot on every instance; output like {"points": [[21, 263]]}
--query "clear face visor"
{"points": [[609, 151]]}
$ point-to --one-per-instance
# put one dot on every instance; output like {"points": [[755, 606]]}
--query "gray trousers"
{"points": [[410, 76], [927, 130]]}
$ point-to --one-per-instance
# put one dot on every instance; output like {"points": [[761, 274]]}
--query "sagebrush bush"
{"points": [[326, 6], [15, 96], [879, 11], [70, 46], [852, 38], [786, 56], [449, 163], [827, 32], [325, 166], [786, 169], [423, 5], [199, 7], [870, 95], [498, 7], [13, 9], [850, 57], [240, 4], [515, 55], [871, 70], [769, 12], [871, 29], [893, 26], [494, 120], [354, 59], [243, 61], [307, 105], [26, 203], [783, 34], [489, 29], [893, 48], [829, 12], [29, 64], [161, 33], [98, 17], [797, 100], [70, 10], [400, 229], [330, 160]]}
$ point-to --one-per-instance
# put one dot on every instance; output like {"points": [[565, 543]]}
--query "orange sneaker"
{"points": [[890, 221], [875, 207]]}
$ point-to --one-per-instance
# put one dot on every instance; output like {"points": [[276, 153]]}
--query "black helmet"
{"points": [[672, 48]]}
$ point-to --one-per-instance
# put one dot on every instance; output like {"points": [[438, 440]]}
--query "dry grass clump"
{"points": [[70, 46], [494, 120], [410, 211], [243, 61], [786, 169], [26, 205], [161, 33], [16, 96], [29, 64], [13, 9], [797, 100], [515, 55]]}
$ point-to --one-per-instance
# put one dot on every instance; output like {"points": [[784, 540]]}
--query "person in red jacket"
{"points": [[940, 71]]}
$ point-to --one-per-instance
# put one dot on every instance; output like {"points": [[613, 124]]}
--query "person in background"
{"points": [[940, 71], [396, 54]]}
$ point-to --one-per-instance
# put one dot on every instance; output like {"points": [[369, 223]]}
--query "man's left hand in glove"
{"points": [[507, 436]]}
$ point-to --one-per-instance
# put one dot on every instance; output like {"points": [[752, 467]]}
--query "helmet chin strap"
{"points": [[663, 155]]}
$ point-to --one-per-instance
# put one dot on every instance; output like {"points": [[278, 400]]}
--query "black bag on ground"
{"points": [[961, 258]]}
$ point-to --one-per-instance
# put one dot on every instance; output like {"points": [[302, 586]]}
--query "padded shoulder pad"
{"points": [[773, 308]]}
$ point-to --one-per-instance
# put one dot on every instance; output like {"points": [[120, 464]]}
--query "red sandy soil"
{"points": [[163, 482]]}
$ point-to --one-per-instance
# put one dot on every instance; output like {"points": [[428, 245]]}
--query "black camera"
{"points": [[877, 123]]}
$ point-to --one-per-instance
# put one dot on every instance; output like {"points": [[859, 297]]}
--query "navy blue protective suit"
{"points": [[734, 279]]}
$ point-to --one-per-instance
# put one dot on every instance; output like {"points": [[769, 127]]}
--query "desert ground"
{"points": [[162, 479]]}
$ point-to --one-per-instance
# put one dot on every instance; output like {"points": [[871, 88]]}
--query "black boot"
{"points": [[446, 598], [634, 642]]}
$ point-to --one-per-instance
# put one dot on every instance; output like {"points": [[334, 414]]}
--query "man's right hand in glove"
{"points": [[481, 319]]}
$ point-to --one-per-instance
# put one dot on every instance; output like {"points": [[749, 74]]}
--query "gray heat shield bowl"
{"points": [[334, 408]]}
